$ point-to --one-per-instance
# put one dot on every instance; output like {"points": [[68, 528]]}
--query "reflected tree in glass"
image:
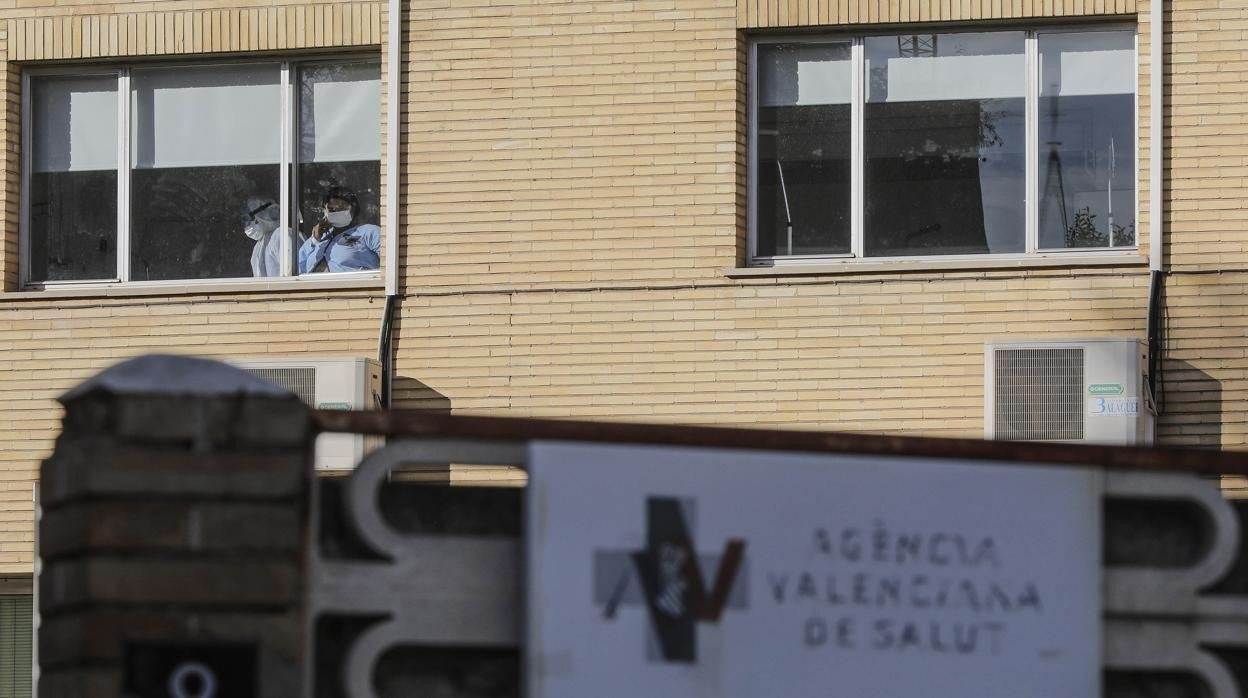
{"points": [[203, 140], [1087, 140], [945, 144]]}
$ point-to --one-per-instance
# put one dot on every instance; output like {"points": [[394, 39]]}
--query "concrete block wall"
{"points": [[175, 520]]}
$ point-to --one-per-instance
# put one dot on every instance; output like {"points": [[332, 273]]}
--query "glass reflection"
{"points": [[339, 154], [1087, 140], [204, 139], [73, 179], [803, 156], [945, 144]]}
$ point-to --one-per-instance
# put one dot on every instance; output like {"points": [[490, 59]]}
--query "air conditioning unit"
{"points": [[1076, 391], [328, 384]]}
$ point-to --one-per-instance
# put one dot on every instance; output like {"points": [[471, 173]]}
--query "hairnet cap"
{"points": [[260, 207]]}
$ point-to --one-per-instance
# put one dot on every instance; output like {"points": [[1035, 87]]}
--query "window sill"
{"points": [[369, 280], [907, 265]]}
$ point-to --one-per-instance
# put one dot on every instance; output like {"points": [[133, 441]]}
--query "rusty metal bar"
{"points": [[1130, 458]]}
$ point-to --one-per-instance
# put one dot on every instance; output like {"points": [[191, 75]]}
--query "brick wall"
{"points": [[161, 511], [50, 346], [858, 354], [805, 13]]}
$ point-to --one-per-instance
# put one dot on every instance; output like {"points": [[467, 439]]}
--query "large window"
{"points": [[961, 143], [182, 172]]}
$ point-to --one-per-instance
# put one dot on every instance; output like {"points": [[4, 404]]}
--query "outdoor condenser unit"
{"points": [[328, 384], [1077, 391]]}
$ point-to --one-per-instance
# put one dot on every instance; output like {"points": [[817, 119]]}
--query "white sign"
{"points": [[658, 571]]}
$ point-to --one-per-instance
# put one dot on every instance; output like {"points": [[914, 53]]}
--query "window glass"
{"points": [[339, 153], [803, 156], [72, 224], [945, 144], [1087, 139], [205, 140]]}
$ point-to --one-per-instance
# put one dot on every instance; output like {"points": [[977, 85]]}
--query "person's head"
{"points": [[341, 206], [261, 216]]}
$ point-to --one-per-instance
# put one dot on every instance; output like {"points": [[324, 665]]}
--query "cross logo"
{"points": [[667, 577]]}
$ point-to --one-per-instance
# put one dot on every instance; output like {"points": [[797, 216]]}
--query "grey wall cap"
{"points": [[165, 374]]}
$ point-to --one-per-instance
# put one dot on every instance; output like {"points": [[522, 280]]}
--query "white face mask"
{"points": [[338, 219], [257, 229]]}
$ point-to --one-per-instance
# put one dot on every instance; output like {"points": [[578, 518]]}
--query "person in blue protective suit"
{"points": [[337, 242]]}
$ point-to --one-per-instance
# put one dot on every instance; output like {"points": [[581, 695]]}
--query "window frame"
{"points": [[288, 184], [858, 78]]}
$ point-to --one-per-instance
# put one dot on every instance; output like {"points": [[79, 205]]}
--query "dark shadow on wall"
{"points": [[411, 394], [1192, 400]]}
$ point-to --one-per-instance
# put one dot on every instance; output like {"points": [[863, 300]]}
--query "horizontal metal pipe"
{"points": [[1129, 458]]}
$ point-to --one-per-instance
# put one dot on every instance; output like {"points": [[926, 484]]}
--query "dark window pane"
{"points": [[73, 179], [187, 222], [803, 157], [205, 141], [340, 146], [1087, 140], [945, 144], [73, 226]]}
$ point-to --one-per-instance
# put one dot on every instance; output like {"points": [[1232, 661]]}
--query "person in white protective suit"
{"points": [[261, 219]]}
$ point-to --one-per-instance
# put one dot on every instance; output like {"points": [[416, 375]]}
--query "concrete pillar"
{"points": [[173, 537]]}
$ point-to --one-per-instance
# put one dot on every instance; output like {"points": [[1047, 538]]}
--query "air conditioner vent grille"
{"points": [[1039, 394], [300, 381]]}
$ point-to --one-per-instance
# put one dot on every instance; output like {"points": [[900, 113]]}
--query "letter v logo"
{"points": [[676, 596]]}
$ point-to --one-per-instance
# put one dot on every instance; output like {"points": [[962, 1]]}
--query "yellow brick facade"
{"points": [[572, 194], [756, 14], [194, 31]]}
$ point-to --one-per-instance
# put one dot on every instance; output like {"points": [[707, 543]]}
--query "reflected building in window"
{"points": [[1087, 139], [945, 144], [959, 143]]}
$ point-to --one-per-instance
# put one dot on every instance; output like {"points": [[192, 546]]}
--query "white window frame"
{"points": [[287, 167], [1032, 251]]}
